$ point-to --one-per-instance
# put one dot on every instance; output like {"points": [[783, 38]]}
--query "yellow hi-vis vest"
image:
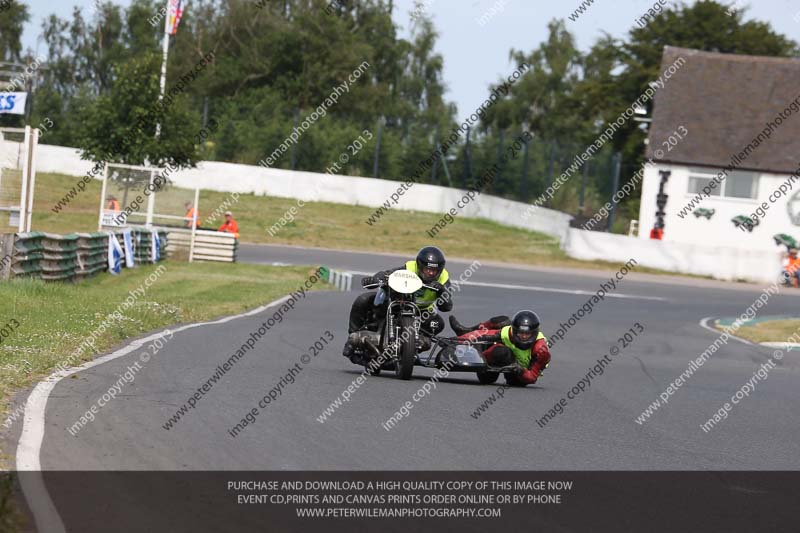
{"points": [[523, 356], [425, 298]]}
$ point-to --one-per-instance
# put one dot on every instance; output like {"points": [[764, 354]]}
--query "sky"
{"points": [[477, 55]]}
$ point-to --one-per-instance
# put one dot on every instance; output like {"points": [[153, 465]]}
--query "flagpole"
{"points": [[164, 55]]}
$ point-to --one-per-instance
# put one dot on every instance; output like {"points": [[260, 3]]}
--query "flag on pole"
{"points": [[155, 241], [175, 13], [114, 254], [129, 253]]}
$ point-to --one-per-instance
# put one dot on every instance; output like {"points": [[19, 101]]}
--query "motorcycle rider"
{"points": [[366, 314], [517, 340]]}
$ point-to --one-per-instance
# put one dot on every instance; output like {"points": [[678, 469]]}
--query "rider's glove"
{"points": [[436, 287], [368, 280], [518, 370]]}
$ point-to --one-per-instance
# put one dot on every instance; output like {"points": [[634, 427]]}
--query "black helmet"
{"points": [[524, 329], [430, 263]]}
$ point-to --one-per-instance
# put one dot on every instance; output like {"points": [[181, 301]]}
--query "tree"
{"points": [[544, 103], [705, 25], [81, 55], [542, 99], [12, 22], [12, 19], [277, 63], [119, 126]]}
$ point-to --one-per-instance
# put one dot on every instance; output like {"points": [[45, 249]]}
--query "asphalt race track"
{"points": [[597, 430]]}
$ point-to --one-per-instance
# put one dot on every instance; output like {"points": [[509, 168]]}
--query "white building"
{"points": [[731, 124]]}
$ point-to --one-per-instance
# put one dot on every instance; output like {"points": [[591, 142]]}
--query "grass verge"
{"points": [[329, 225], [55, 318], [770, 331]]}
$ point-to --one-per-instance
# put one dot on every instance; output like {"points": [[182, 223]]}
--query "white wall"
{"points": [[719, 231], [720, 262], [705, 254], [62, 160], [311, 186]]}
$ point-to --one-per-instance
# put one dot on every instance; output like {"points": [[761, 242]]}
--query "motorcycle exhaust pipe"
{"points": [[372, 348]]}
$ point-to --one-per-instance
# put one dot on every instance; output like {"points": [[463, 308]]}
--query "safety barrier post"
{"points": [[194, 224], [102, 197], [151, 201], [23, 202]]}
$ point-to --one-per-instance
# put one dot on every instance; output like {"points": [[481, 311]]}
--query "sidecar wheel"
{"points": [[487, 378]]}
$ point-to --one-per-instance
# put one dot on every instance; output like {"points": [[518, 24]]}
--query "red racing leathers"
{"points": [[500, 354]]}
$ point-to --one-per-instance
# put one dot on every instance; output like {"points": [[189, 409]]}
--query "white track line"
{"points": [[539, 289], [784, 345], [704, 324], [564, 291], [32, 436]]}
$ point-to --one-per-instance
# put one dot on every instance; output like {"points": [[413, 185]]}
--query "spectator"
{"points": [[191, 215], [112, 204], [230, 225], [791, 268]]}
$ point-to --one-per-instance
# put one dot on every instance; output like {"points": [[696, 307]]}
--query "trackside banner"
{"points": [[13, 103]]}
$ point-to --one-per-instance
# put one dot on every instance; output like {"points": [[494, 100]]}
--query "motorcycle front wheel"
{"points": [[408, 349]]}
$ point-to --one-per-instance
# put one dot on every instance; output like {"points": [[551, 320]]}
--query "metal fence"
{"points": [[202, 245], [17, 177]]}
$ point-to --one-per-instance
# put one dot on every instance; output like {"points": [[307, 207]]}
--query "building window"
{"points": [[696, 185], [741, 185], [738, 184]]}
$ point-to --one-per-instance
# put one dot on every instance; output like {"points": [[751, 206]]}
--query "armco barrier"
{"points": [[71, 257], [208, 245], [719, 262]]}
